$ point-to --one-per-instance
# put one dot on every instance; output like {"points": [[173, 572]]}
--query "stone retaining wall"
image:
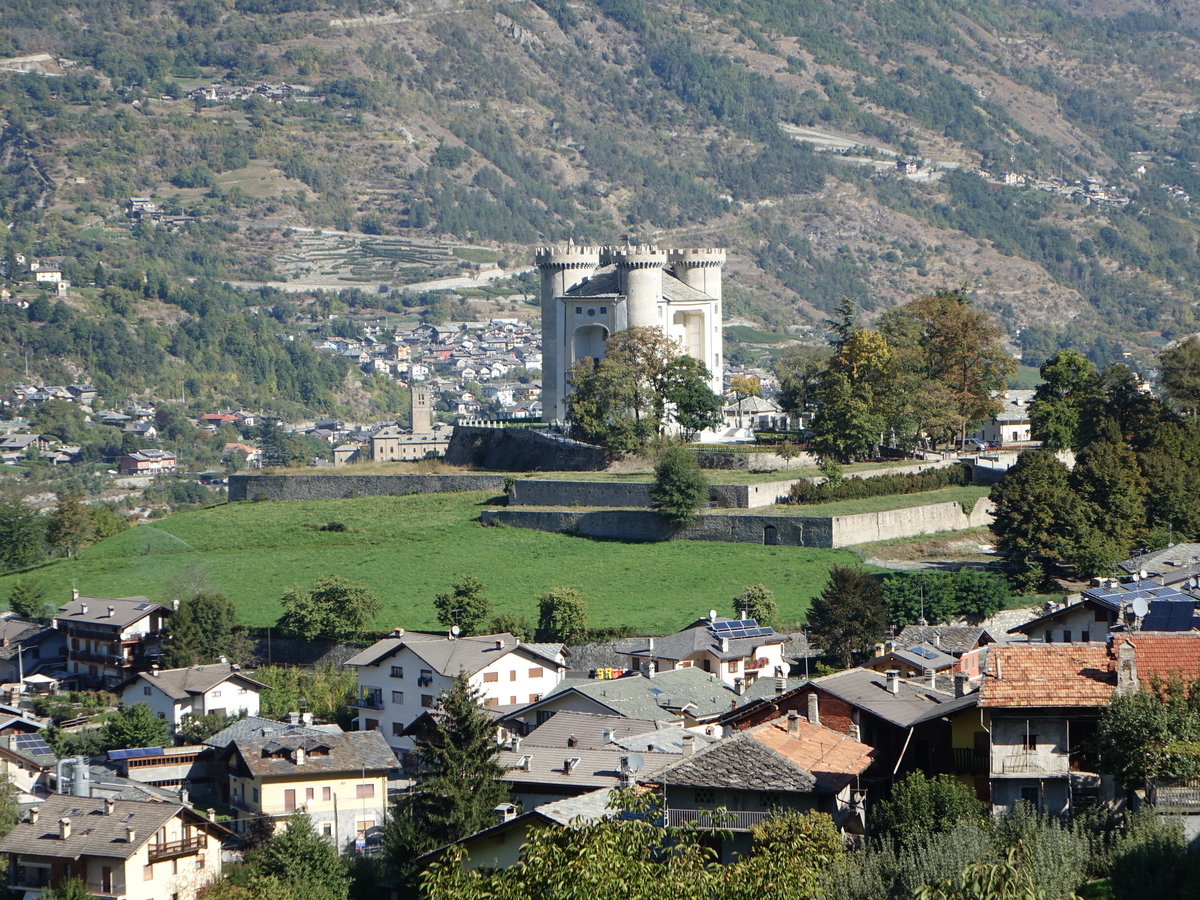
{"points": [[791, 531], [336, 487], [521, 450]]}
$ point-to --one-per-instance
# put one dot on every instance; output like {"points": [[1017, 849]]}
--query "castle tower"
{"points": [[698, 328], [561, 268], [700, 269], [640, 279], [422, 410]]}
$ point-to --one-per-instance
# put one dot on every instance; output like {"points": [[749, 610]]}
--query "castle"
{"points": [[588, 293]]}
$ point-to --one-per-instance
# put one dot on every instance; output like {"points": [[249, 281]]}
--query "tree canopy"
{"points": [[464, 605], [849, 616], [562, 616], [680, 488], [334, 608]]}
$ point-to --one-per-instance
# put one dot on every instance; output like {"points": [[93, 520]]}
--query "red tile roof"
{"points": [[1048, 675], [1163, 655], [821, 751]]}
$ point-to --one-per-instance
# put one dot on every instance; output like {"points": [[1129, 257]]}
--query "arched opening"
{"points": [[589, 341], [770, 536]]}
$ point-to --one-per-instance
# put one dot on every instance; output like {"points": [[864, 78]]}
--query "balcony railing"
{"points": [[720, 820], [369, 701], [1174, 794], [1031, 764], [172, 849]]}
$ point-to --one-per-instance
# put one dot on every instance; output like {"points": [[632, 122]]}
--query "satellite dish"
{"points": [[1140, 607], [1143, 574], [1136, 577], [712, 615], [636, 761], [455, 630]]}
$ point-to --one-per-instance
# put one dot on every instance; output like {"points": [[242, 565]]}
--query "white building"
{"points": [[589, 293], [195, 691], [403, 676], [738, 651]]}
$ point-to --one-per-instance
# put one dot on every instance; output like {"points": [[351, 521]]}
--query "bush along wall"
{"points": [[879, 485]]}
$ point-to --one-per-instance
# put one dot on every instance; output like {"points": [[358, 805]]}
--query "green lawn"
{"points": [[967, 493], [408, 548]]}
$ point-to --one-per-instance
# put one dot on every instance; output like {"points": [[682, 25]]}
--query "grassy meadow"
{"points": [[408, 548]]}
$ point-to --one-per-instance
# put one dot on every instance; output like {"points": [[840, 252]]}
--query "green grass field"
{"points": [[408, 548]]}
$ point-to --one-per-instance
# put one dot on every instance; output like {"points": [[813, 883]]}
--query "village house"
{"points": [[739, 651], [26, 647], [339, 780], [966, 643], [394, 444], [1012, 424], [194, 691], [403, 676], [27, 762], [122, 849], [146, 462], [108, 639]]}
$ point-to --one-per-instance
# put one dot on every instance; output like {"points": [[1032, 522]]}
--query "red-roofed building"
{"points": [[1161, 656]]}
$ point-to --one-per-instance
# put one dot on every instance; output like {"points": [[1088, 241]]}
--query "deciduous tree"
{"points": [[1069, 385], [70, 526], [335, 608], [203, 629], [136, 726], [562, 616], [680, 488], [758, 602], [22, 535], [465, 605], [301, 860]]}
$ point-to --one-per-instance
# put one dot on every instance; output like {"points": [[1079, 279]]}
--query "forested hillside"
{"points": [[504, 124]]}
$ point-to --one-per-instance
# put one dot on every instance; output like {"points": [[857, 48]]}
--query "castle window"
{"points": [[591, 312], [579, 310], [604, 310]]}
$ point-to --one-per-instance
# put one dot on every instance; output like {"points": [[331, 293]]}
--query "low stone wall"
{"points": [[789, 531], [752, 462], [336, 487], [535, 492], [521, 450]]}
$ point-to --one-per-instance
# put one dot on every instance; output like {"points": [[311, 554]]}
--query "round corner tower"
{"points": [[639, 276], [561, 268], [699, 268]]}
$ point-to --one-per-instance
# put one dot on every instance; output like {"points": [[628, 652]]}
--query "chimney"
{"points": [[960, 684], [109, 805], [130, 834], [34, 812], [854, 732], [814, 709], [83, 608], [724, 645], [793, 723], [742, 615], [893, 681], [1127, 676], [397, 632], [937, 639], [154, 671], [64, 828], [650, 645], [293, 718], [505, 812], [780, 685], [608, 735], [689, 744], [651, 669], [889, 646], [74, 593], [515, 746], [931, 678], [212, 814], [298, 756], [499, 643], [184, 797]]}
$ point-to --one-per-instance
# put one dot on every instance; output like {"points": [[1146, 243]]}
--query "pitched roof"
{"points": [[448, 656], [179, 684], [954, 639], [126, 610], [594, 769], [914, 702], [1047, 675], [92, 832], [587, 730], [1165, 560], [1167, 657], [923, 657], [254, 727], [661, 697], [701, 637], [15, 630], [324, 753], [768, 758]]}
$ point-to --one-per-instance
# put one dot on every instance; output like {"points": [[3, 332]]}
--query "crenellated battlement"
{"points": [[570, 256], [696, 256], [638, 257]]}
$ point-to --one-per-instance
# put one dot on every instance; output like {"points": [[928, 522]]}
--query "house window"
{"points": [[327, 829], [397, 671], [289, 800], [512, 675], [397, 729], [769, 799], [733, 665], [147, 690], [1032, 796], [370, 724], [200, 861], [243, 690], [326, 793], [216, 693], [1029, 742], [310, 794], [534, 698], [1085, 636], [427, 701], [1101, 615], [492, 701], [579, 310], [490, 677], [1066, 636], [148, 873], [364, 791], [397, 696], [1047, 638], [536, 672], [604, 310], [255, 794], [704, 795]]}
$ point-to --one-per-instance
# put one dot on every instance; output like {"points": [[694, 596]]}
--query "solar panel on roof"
{"points": [[143, 606], [33, 743], [923, 652]]}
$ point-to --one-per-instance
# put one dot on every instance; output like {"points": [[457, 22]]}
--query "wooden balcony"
{"points": [[716, 819], [174, 849]]}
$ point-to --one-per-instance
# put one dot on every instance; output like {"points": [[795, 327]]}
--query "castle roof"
{"points": [[604, 285]]}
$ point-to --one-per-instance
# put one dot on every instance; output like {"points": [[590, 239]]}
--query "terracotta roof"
{"points": [[833, 758], [1048, 675], [1164, 656]]}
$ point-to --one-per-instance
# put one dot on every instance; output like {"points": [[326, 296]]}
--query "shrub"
{"points": [[878, 486], [679, 486]]}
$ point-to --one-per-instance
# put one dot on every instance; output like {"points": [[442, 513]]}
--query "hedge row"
{"points": [[879, 485]]}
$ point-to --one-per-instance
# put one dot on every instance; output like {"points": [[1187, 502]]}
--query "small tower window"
{"points": [[579, 310], [604, 310]]}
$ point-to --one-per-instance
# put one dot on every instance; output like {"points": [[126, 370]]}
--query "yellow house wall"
{"points": [[167, 877], [271, 793]]}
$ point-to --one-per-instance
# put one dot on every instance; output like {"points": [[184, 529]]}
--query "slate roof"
{"points": [[596, 768], [1047, 675], [660, 697], [468, 654], [352, 751], [587, 729], [767, 758], [916, 702], [92, 832], [603, 284], [179, 684], [126, 611], [768, 689], [254, 727], [953, 639], [1165, 560], [923, 657], [697, 638], [15, 630]]}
